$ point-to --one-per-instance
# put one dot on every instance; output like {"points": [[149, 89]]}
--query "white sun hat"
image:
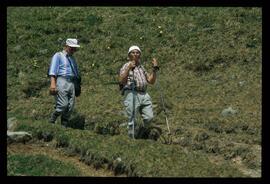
{"points": [[72, 42], [134, 47]]}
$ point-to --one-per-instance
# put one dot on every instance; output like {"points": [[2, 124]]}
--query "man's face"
{"points": [[134, 55], [71, 50]]}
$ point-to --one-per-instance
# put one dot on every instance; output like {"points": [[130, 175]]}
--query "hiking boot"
{"points": [[53, 117], [154, 133], [64, 122], [130, 132], [143, 133]]}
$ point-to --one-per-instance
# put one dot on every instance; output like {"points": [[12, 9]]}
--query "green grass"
{"points": [[38, 165], [145, 158], [210, 59]]}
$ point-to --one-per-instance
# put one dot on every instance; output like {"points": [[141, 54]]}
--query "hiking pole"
{"points": [[163, 105], [133, 112]]}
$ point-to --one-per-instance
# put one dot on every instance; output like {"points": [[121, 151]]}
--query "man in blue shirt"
{"points": [[62, 72]]}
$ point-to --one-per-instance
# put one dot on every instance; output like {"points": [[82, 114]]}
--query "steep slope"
{"points": [[210, 76]]}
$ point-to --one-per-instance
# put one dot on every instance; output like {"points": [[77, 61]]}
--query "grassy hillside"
{"points": [[18, 165], [210, 60]]}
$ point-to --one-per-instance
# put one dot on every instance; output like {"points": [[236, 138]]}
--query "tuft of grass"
{"points": [[133, 157], [38, 165]]}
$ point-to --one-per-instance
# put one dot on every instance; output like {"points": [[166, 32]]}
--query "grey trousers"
{"points": [[143, 105], [64, 100]]}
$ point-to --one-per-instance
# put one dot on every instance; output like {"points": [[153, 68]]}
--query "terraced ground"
{"points": [[56, 154]]}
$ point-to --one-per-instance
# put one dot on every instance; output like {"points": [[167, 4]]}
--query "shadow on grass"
{"points": [[77, 121]]}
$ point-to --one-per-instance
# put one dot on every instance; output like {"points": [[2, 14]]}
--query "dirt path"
{"points": [[45, 149]]}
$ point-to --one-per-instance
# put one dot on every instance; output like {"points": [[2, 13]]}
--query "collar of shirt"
{"points": [[139, 64], [65, 53]]}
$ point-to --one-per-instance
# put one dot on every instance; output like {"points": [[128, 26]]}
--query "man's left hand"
{"points": [[155, 65], [154, 62]]}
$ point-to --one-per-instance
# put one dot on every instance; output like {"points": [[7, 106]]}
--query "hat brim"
{"points": [[74, 46], [134, 49]]}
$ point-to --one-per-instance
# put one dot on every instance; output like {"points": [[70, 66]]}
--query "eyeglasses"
{"points": [[73, 48], [134, 52]]}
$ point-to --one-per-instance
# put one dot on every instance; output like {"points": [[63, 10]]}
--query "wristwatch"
{"points": [[155, 68]]}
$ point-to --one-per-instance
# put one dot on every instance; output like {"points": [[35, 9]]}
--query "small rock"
{"points": [[242, 83], [228, 112], [119, 159], [43, 51], [201, 136], [60, 40], [17, 48], [18, 137], [123, 124], [47, 136], [12, 123], [214, 82]]}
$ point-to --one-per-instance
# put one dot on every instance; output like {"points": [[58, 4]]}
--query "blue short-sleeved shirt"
{"points": [[60, 65]]}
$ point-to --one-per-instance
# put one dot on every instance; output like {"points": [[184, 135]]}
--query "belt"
{"points": [[139, 91], [68, 78]]}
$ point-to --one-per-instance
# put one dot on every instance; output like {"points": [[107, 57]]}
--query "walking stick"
{"points": [[134, 110], [163, 105]]}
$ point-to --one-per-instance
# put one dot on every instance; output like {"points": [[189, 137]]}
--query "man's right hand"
{"points": [[53, 91], [131, 65]]}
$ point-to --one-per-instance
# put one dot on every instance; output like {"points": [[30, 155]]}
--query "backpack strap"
{"points": [[71, 65]]}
